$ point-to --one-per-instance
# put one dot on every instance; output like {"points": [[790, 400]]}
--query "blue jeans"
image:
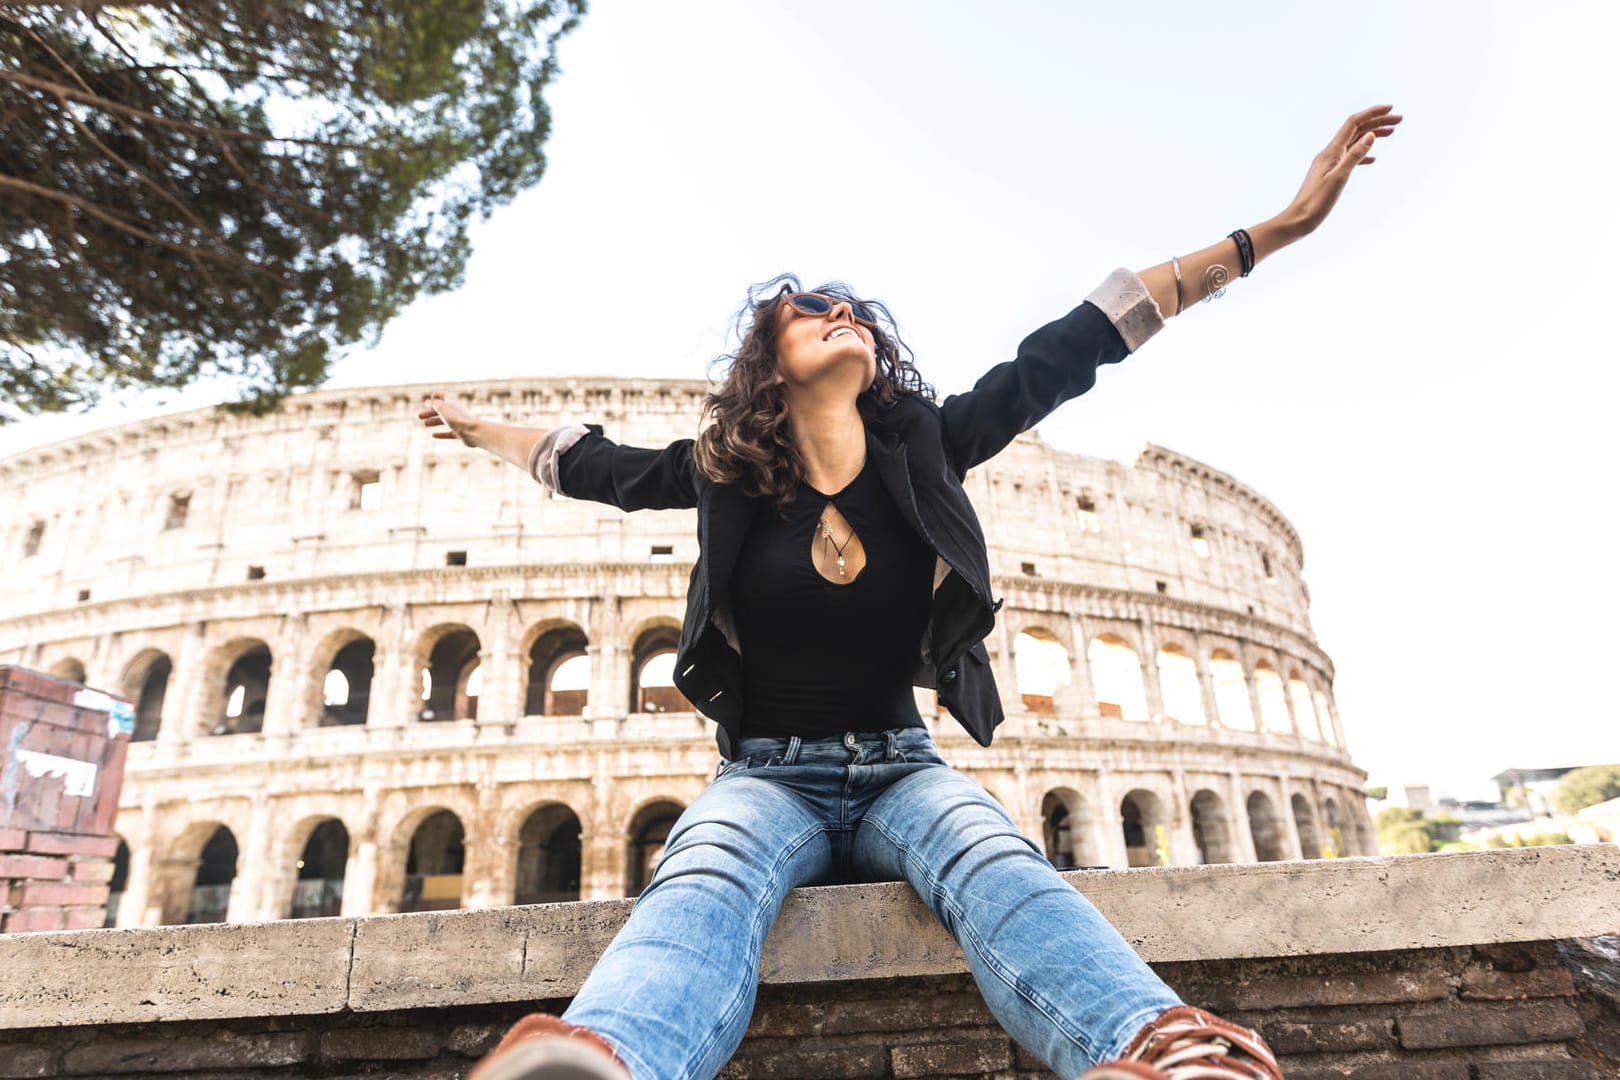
{"points": [[675, 990]]}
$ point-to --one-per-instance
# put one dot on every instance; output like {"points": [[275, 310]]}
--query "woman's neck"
{"points": [[831, 441]]}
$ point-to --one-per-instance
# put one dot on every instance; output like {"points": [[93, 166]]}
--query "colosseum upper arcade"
{"points": [[380, 672]]}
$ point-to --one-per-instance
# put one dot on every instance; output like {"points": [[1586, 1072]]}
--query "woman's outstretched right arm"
{"points": [[506, 441], [595, 467]]}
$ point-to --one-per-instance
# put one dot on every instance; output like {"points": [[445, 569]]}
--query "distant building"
{"points": [[1538, 786]]}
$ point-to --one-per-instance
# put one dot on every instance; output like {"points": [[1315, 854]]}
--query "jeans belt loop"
{"points": [[892, 737], [792, 755]]}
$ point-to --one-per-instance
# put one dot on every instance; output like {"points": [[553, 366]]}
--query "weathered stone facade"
{"points": [[216, 569]]}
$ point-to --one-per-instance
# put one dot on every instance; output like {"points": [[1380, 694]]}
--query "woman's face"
{"points": [[824, 352]]}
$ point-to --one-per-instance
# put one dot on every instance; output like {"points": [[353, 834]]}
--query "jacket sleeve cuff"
{"points": [[1129, 306], [553, 445]]}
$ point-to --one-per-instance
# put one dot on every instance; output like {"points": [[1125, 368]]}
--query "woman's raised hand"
{"points": [[444, 410], [1330, 169]]}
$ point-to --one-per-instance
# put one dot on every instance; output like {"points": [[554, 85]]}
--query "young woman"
{"points": [[841, 564]]}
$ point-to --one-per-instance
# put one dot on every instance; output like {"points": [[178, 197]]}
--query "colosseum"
{"points": [[378, 672]]}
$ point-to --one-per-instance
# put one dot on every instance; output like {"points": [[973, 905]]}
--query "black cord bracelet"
{"points": [[1245, 248]]}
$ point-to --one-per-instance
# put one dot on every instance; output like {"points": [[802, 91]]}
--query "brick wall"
{"points": [[62, 751], [1497, 1012]]}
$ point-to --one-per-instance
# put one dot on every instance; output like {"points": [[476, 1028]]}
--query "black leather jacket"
{"points": [[922, 451]]}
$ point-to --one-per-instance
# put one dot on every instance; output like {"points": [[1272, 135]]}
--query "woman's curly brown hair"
{"points": [[749, 439]]}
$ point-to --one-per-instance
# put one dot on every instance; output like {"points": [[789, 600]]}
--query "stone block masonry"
{"points": [[62, 750], [1447, 979]]}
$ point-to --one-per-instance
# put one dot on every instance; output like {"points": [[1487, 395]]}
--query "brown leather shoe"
{"points": [[542, 1047], [1185, 1043]]}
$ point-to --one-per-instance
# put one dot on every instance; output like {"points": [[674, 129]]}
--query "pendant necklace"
{"points": [[826, 531]]}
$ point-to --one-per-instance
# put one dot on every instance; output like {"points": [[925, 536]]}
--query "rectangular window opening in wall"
{"points": [[84, 594], [1265, 564], [663, 553], [455, 558], [36, 533], [255, 573], [1028, 569], [179, 507], [1200, 542], [1087, 513], [365, 489], [1163, 587]]}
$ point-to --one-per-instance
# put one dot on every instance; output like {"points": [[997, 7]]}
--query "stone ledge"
{"points": [[837, 933]]}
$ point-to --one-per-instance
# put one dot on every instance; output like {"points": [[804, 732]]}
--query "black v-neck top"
{"points": [[820, 658]]}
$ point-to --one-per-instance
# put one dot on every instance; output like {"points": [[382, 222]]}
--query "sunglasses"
{"points": [[809, 303]]}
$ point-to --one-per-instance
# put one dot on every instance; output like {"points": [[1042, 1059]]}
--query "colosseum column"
{"points": [[1183, 844], [1151, 685], [98, 672], [1113, 829], [487, 852], [602, 852], [609, 697], [1206, 683], [360, 871], [1249, 660], [1078, 700], [183, 718], [283, 707], [390, 661], [252, 866], [1238, 819], [503, 676], [132, 909], [1333, 715]]}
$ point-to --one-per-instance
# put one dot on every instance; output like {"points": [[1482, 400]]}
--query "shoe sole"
{"points": [[551, 1059]]}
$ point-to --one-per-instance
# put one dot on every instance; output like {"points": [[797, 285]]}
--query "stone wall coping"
{"points": [[833, 933]]}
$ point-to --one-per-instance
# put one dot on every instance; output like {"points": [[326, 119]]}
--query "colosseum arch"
{"points": [[1068, 830], [1324, 717], [644, 841], [70, 668], [652, 669], [146, 682], [1231, 691], [1142, 815], [448, 675], [1041, 667], [548, 856], [1270, 840], [1334, 843], [337, 684], [1179, 686], [1299, 696], [240, 673], [1310, 844], [1268, 687], [1116, 676], [556, 657], [1210, 833], [192, 884], [308, 866], [435, 862]]}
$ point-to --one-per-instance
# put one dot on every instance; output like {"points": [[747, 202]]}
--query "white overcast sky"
{"points": [[1423, 386]]}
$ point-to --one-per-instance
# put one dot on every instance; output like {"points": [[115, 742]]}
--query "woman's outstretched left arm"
{"points": [[1204, 272]]}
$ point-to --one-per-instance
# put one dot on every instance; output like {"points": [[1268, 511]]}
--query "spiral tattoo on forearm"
{"points": [[1215, 279]]}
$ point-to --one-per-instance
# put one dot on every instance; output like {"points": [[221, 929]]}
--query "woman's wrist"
{"points": [[1275, 233]]}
